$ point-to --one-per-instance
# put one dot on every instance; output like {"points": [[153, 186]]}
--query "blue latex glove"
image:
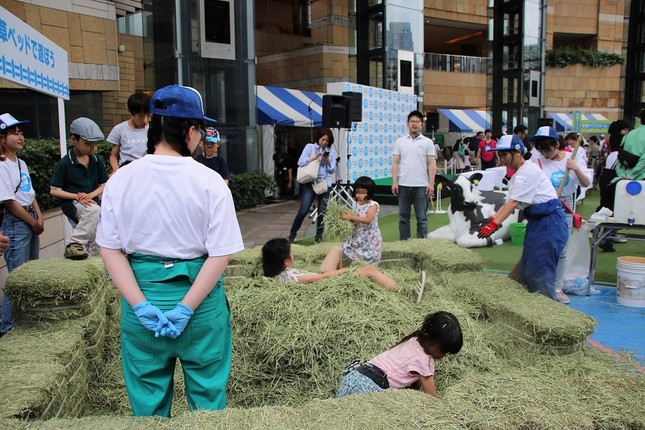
{"points": [[178, 318], [150, 317]]}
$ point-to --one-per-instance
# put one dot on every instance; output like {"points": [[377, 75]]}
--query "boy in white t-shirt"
{"points": [[129, 139]]}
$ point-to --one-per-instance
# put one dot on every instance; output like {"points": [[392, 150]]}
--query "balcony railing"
{"points": [[455, 63]]}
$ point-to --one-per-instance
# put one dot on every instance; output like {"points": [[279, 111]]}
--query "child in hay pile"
{"points": [[365, 242], [409, 362], [277, 262]]}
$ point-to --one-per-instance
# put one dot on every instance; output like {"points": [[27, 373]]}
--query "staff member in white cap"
{"points": [[167, 230], [546, 232], [22, 221]]}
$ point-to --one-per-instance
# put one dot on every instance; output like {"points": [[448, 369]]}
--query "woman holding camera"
{"points": [[320, 150]]}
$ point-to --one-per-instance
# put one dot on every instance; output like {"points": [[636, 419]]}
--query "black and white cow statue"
{"points": [[469, 210]]}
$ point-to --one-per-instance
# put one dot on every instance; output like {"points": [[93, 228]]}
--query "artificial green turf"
{"points": [[504, 257]]}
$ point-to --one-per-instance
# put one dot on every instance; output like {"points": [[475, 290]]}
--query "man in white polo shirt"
{"points": [[413, 170]]}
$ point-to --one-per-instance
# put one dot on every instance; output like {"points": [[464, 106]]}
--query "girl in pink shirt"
{"points": [[410, 361]]}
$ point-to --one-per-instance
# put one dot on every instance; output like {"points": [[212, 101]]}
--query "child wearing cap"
{"points": [[211, 158], [166, 246], [546, 230], [129, 139], [22, 221], [78, 180]]}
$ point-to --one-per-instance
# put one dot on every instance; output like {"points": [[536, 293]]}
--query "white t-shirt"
{"points": [[133, 142], [554, 170], [291, 274], [413, 162], [530, 186], [611, 159], [171, 207], [12, 174]]}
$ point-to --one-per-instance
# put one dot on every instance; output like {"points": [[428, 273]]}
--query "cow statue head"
{"points": [[469, 209]]}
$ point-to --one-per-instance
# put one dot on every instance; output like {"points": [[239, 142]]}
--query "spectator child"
{"points": [[78, 180], [23, 221], [211, 158], [129, 138], [277, 262], [409, 362]]}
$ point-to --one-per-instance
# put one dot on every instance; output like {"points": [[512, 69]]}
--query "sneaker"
{"points": [[75, 251], [417, 293], [619, 239], [607, 247], [562, 298], [318, 240]]}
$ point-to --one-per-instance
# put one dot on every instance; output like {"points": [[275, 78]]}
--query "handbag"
{"points": [[320, 187], [308, 173], [626, 158], [577, 218]]}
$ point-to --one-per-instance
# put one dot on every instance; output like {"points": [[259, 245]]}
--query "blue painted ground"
{"points": [[621, 328]]}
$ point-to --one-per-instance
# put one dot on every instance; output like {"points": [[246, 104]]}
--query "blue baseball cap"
{"points": [[179, 102], [7, 120], [509, 142], [545, 132]]}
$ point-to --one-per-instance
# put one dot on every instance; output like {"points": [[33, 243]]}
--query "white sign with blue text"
{"points": [[30, 59]]}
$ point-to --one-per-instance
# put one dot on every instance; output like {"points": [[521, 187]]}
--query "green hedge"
{"points": [[563, 57], [41, 156]]}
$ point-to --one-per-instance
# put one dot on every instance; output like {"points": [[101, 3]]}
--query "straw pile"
{"points": [[292, 341], [336, 228]]}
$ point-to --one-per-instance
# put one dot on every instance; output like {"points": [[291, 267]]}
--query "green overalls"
{"points": [[204, 348]]}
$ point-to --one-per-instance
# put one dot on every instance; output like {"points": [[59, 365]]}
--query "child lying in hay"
{"points": [[277, 261], [409, 362]]}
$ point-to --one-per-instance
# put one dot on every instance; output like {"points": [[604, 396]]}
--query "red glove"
{"points": [[488, 229]]}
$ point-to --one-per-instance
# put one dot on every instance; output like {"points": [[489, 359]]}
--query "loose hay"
{"points": [[336, 228]]}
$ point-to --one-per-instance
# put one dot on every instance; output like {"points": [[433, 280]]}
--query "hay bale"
{"points": [[435, 255], [55, 289], [532, 318], [44, 371]]}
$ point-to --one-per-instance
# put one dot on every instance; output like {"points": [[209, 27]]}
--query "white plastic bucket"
{"points": [[630, 273]]}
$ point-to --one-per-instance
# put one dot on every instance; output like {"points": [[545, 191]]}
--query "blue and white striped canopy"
{"points": [[564, 121], [469, 120], [282, 106]]}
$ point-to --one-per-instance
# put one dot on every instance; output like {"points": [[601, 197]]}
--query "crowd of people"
{"points": [[167, 245]]}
